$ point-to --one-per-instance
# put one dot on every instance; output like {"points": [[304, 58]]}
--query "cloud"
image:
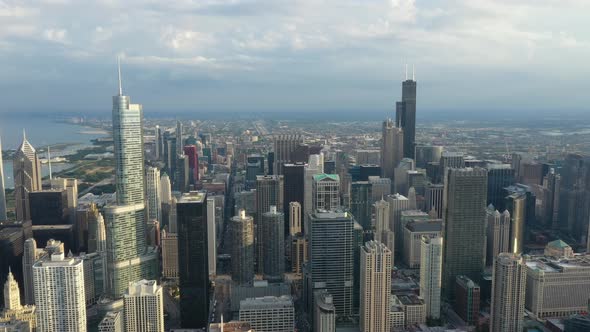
{"points": [[56, 35]]}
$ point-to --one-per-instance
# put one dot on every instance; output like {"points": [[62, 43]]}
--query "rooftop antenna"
{"points": [[119, 69], [406, 71], [413, 73], [221, 322], [24, 135], [49, 162]]}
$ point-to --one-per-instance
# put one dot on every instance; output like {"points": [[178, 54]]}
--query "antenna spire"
{"points": [[413, 73], [406, 71], [24, 135], [49, 162], [119, 69]]}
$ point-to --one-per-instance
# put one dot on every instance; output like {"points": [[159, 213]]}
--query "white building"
{"points": [[497, 233], [324, 319], [413, 233], [294, 218], [326, 192], [508, 293], [383, 233], [431, 274], [60, 294], [165, 189], [314, 166], [144, 307], [153, 193], [269, 313], [397, 319], [112, 322], [211, 237], [375, 287]]}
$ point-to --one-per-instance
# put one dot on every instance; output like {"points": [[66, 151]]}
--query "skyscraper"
{"points": [[242, 256], [508, 293], [193, 263], [179, 140], [2, 192], [383, 233], [497, 233], [324, 315], [128, 257], [158, 143], [405, 115], [293, 190], [27, 177], [153, 192], [294, 218], [361, 203], [464, 227], [431, 274], [392, 148], [273, 230], [330, 264], [284, 145], [144, 307], [269, 191], [375, 290], [314, 166], [59, 294], [325, 192], [211, 237], [29, 258], [500, 176], [11, 293]]}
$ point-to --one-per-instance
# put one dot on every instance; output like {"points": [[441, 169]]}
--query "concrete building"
{"points": [[169, 255], [295, 218], [392, 148], [433, 198], [242, 260], [13, 310], [413, 233], [273, 226], [407, 217], [383, 233], [431, 274], [299, 253], [464, 215], [269, 314], [233, 326], [508, 293], [414, 309], [557, 286], [152, 193], [324, 319], [326, 192], [397, 204], [59, 294], [27, 177], [113, 321], [314, 167], [397, 317], [144, 307], [380, 187], [375, 287], [497, 233], [211, 237]]}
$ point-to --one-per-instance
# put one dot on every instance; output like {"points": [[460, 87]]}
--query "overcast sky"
{"points": [[285, 55]]}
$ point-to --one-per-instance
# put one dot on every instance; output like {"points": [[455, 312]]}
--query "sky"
{"points": [[295, 55]]}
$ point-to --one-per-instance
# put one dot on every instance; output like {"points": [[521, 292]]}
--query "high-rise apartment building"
{"points": [[497, 233], [193, 265], [431, 274], [153, 192], [269, 191], [27, 177], [59, 293], [375, 287], [508, 293], [330, 265], [144, 307], [242, 258], [273, 245], [464, 228], [128, 257], [284, 146], [406, 116], [325, 192], [324, 315], [383, 233], [392, 148]]}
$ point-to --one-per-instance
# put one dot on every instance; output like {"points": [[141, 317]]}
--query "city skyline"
{"points": [[277, 56]]}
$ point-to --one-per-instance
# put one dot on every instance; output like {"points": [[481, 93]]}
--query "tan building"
{"points": [[144, 307], [169, 255], [413, 233], [414, 309], [508, 293], [375, 287], [13, 311]]}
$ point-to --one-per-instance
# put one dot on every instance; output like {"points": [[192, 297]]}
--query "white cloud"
{"points": [[56, 35]]}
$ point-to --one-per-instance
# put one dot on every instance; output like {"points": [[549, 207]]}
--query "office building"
{"points": [[13, 311], [521, 203], [269, 191], [113, 321], [242, 258], [193, 265], [380, 187], [407, 217], [190, 151], [361, 203], [179, 139], [11, 293], [254, 168], [293, 189], [325, 192], [169, 255], [324, 314], [269, 313], [330, 264], [401, 179], [413, 307], [451, 160], [497, 233], [464, 215], [27, 177], [181, 174], [314, 167], [165, 189], [431, 274], [500, 176], [273, 226], [2, 189], [397, 319], [574, 195], [59, 294], [405, 115], [29, 258], [383, 233], [397, 204], [508, 293], [375, 290], [299, 253], [550, 202], [557, 286], [427, 153], [212, 236], [284, 146], [144, 307], [294, 218], [576, 323], [128, 257], [153, 192], [412, 239], [392, 148], [467, 298]]}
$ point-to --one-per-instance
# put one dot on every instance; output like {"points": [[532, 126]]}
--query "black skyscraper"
{"points": [[406, 116], [293, 187], [193, 265]]}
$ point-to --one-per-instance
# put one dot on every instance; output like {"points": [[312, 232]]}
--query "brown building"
{"points": [[467, 297]]}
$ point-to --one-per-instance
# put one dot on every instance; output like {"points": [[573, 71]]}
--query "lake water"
{"points": [[41, 130]]}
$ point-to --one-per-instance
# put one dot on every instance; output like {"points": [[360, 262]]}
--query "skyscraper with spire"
{"points": [[405, 114], [128, 257], [27, 177], [2, 192]]}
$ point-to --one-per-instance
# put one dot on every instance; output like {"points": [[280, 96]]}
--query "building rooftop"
{"points": [[266, 302], [558, 244], [410, 299], [551, 265], [433, 225], [320, 177], [192, 197]]}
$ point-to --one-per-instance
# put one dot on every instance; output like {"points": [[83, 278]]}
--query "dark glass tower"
{"points": [[294, 175], [500, 176], [405, 116], [193, 264]]}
